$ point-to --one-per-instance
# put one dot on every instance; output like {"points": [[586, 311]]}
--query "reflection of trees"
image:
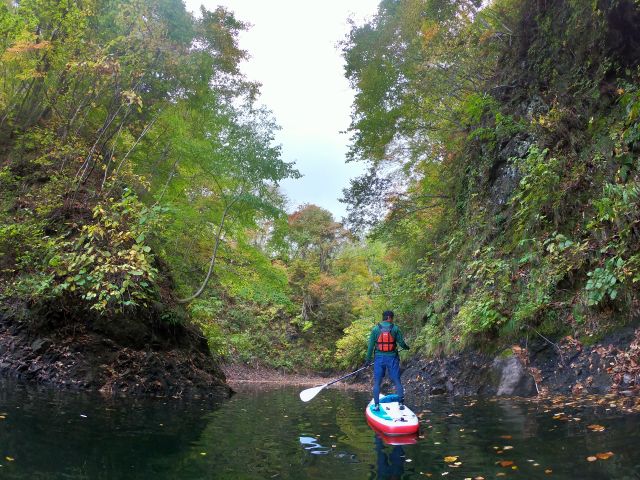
{"points": [[259, 433], [256, 435], [60, 434]]}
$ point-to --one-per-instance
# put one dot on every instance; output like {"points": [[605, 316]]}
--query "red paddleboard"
{"points": [[390, 420]]}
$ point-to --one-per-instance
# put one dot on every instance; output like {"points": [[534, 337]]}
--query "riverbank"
{"points": [[535, 366], [240, 376], [147, 358], [139, 357]]}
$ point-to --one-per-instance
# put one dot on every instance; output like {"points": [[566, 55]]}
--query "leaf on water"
{"points": [[9, 459], [596, 428], [604, 455], [592, 459], [507, 447], [548, 471], [450, 459], [506, 437], [505, 463]]}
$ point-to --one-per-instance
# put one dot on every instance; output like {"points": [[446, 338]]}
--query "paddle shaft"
{"points": [[346, 376]]}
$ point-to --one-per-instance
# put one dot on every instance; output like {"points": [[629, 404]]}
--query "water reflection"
{"points": [[271, 434], [310, 444], [390, 463]]}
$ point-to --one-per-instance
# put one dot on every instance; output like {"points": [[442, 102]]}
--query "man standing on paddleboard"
{"points": [[384, 340]]}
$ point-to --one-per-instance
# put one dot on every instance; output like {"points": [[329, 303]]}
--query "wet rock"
{"points": [[515, 380], [438, 390], [534, 107], [562, 366], [40, 345], [506, 180]]}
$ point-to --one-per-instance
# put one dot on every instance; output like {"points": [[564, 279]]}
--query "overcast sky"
{"points": [[292, 44]]}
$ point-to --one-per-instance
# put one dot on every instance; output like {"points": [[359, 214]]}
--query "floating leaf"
{"points": [[505, 463], [604, 455], [596, 428], [9, 459], [450, 459], [591, 459]]}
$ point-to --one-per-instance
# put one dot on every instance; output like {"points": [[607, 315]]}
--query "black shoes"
{"points": [[401, 405]]}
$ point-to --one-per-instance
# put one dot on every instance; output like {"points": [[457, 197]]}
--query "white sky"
{"points": [[292, 44]]}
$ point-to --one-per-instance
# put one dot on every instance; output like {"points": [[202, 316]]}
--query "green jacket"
{"points": [[375, 333]]}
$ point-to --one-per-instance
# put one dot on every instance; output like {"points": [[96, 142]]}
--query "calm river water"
{"points": [[264, 434]]}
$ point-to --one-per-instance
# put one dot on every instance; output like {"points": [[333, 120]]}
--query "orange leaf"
{"points": [[596, 428], [604, 456]]}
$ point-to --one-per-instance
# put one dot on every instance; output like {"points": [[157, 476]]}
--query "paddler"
{"points": [[384, 340]]}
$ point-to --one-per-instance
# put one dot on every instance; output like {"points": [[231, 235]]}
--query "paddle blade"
{"points": [[309, 393]]}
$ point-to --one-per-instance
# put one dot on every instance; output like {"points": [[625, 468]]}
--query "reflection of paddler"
{"points": [[390, 465]]}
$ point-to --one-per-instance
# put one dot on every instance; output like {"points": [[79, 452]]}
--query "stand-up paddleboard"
{"points": [[390, 420]]}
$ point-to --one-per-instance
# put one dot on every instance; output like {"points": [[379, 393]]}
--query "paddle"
{"points": [[309, 393]]}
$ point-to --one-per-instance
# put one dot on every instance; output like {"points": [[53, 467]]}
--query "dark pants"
{"points": [[390, 363]]}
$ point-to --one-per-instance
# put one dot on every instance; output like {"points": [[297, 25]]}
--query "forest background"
{"points": [[139, 181]]}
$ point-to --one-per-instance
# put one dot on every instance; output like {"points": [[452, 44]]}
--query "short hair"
{"points": [[387, 314]]}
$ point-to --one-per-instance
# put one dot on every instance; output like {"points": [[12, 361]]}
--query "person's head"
{"points": [[387, 316]]}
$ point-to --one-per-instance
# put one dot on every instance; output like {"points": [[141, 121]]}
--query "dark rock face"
{"points": [[149, 358], [562, 367], [515, 380]]}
